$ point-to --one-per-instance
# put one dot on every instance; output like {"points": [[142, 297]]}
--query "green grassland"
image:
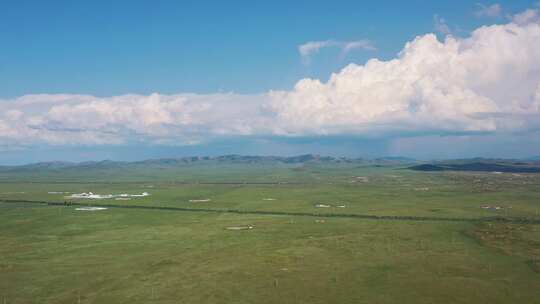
{"points": [[56, 254]]}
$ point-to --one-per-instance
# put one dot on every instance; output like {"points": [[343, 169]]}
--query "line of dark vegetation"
{"points": [[521, 220], [13, 181]]}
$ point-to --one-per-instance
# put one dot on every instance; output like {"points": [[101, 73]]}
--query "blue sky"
{"points": [[108, 48], [105, 49]]}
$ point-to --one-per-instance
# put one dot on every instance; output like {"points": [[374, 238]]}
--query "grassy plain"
{"points": [[54, 254]]}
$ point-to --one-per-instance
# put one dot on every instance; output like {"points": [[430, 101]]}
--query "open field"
{"points": [[56, 254], [362, 190]]}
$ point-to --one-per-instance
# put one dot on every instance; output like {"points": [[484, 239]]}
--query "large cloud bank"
{"points": [[487, 82], [169, 119]]}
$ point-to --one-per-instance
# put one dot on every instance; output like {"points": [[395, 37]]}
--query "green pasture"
{"points": [[56, 254]]}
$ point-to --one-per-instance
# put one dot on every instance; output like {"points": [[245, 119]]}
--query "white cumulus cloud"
{"points": [[83, 119], [455, 85]]}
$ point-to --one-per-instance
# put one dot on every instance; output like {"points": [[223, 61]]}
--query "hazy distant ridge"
{"points": [[224, 159], [485, 165], [474, 164]]}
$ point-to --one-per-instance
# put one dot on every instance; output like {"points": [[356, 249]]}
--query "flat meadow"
{"points": [[441, 247]]}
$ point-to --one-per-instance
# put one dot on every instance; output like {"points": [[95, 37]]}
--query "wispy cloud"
{"points": [[307, 49], [526, 17], [440, 25], [358, 45], [493, 11], [311, 47]]}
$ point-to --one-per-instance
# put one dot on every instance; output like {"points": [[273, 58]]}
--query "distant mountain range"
{"points": [[224, 159], [473, 164], [482, 165]]}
